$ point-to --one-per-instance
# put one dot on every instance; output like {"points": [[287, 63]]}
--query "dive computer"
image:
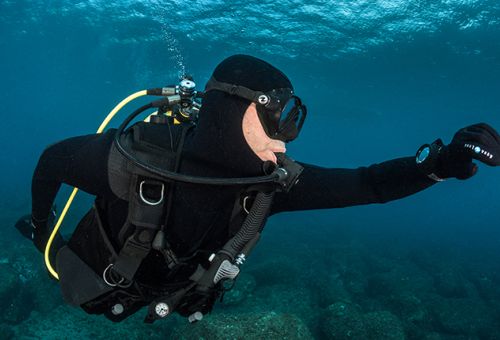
{"points": [[427, 158]]}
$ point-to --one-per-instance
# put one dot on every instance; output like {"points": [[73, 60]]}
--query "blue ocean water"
{"points": [[380, 78]]}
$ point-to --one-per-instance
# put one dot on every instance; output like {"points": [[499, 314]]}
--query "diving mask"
{"points": [[280, 112]]}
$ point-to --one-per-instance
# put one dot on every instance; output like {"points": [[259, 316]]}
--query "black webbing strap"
{"points": [[145, 219], [135, 249], [178, 151], [168, 254]]}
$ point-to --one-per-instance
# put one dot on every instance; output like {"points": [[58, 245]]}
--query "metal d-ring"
{"points": [[245, 199], [148, 201], [106, 280]]}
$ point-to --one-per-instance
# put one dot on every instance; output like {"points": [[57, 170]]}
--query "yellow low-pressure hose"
{"points": [[75, 190]]}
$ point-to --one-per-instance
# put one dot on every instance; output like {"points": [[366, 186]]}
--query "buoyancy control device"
{"points": [[144, 175]]}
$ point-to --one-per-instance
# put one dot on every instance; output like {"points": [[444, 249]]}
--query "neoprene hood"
{"points": [[251, 72]]}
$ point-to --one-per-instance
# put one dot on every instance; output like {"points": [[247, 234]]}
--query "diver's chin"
{"points": [[270, 151], [268, 155]]}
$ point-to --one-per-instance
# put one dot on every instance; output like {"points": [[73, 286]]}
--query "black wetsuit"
{"points": [[199, 223], [200, 215]]}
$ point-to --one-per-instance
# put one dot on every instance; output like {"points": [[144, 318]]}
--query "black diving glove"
{"points": [[39, 231], [476, 142]]}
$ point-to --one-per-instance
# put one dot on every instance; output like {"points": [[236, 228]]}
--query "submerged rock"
{"points": [[408, 307], [488, 286], [413, 313], [354, 281], [383, 325], [430, 336], [249, 326], [36, 289], [400, 280], [275, 270], [450, 283], [343, 320], [280, 298], [243, 288], [332, 290], [6, 332], [15, 301], [469, 317], [10, 282]]}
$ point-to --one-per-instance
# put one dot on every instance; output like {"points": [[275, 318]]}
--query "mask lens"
{"points": [[280, 121], [288, 110], [293, 114]]}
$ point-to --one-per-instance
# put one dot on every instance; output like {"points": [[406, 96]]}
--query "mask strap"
{"points": [[236, 90]]}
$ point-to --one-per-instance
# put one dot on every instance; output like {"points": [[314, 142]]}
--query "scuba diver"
{"points": [[183, 196]]}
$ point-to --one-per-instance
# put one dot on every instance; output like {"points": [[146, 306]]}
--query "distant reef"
{"points": [[348, 290]]}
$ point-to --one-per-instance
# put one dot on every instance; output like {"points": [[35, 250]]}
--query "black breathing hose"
{"points": [[253, 224], [275, 177]]}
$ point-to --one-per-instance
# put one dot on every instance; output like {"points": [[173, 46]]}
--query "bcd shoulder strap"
{"points": [[149, 196]]}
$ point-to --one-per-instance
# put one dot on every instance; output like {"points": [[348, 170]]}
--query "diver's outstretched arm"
{"points": [[322, 188]]}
